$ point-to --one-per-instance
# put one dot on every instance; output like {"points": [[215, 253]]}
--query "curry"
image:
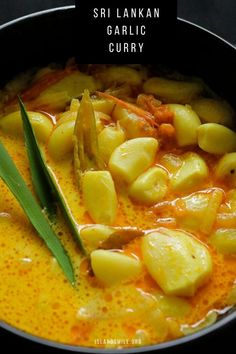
{"points": [[147, 166]]}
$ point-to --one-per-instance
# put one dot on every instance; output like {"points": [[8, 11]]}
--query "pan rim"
{"points": [[224, 322], [70, 7]]}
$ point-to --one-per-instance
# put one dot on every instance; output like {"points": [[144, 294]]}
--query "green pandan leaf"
{"points": [[45, 183], [38, 171], [11, 176]]}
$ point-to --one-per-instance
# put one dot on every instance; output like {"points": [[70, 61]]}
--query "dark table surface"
{"points": [[218, 16]]}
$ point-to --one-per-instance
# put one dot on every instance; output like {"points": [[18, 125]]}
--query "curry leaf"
{"points": [[43, 176], [10, 175]]}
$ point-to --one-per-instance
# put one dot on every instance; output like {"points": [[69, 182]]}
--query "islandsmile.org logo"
{"points": [[116, 342]]}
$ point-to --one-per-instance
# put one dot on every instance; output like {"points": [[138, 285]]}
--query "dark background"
{"points": [[218, 16]]}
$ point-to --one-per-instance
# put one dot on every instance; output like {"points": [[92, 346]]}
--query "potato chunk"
{"points": [[173, 306], [99, 196], [133, 125], [226, 168], [216, 138], [103, 105], [42, 125], [199, 210], [231, 199], [172, 90], [211, 212], [109, 139], [191, 174], [213, 111], [113, 267], [177, 261], [150, 187], [224, 240], [74, 84], [193, 209], [68, 116], [120, 75], [186, 122], [94, 235], [132, 158], [171, 162], [207, 321], [60, 143]]}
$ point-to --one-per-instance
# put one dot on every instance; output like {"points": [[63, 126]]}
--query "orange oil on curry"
{"points": [[36, 297]]}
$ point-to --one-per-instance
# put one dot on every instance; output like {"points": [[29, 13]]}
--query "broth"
{"points": [[118, 309]]}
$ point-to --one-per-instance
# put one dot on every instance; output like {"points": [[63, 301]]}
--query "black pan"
{"points": [[50, 35]]}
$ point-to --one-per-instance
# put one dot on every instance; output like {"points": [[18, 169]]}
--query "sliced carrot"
{"points": [[148, 102], [166, 130], [163, 114], [131, 107], [160, 111]]}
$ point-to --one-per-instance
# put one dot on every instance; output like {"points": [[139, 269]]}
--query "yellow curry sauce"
{"points": [[34, 293]]}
